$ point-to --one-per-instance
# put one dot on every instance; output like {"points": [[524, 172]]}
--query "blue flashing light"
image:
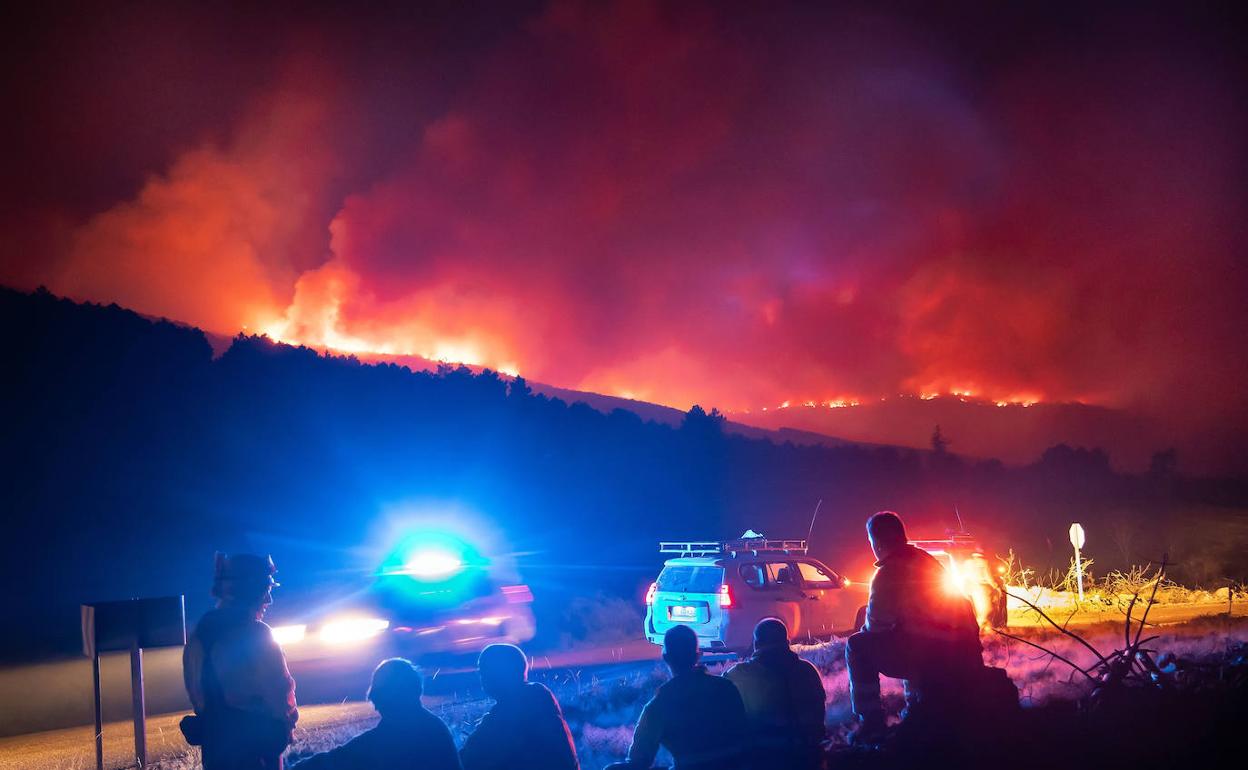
{"points": [[432, 564], [431, 557]]}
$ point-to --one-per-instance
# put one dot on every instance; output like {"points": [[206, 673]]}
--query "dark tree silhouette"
{"points": [[130, 454]]}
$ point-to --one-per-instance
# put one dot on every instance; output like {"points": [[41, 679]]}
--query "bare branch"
{"points": [[1161, 573], [1127, 629], [1071, 634], [1067, 661]]}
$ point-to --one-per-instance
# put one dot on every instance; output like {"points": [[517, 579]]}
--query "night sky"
{"points": [[730, 204]]}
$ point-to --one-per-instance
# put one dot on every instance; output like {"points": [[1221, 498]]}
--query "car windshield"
{"points": [[691, 579]]}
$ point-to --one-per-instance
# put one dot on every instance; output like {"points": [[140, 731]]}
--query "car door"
{"points": [[785, 597], [820, 593], [837, 602]]}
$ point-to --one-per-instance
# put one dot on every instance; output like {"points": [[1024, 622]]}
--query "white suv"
{"points": [[722, 590]]}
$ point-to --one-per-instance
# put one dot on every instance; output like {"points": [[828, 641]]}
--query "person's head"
{"points": [[503, 668], [396, 687], [886, 533], [680, 648], [244, 580], [771, 634]]}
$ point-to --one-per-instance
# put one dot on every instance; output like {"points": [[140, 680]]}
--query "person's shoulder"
{"points": [[711, 680], [432, 722], [721, 685], [916, 554], [808, 669], [254, 630], [538, 694]]}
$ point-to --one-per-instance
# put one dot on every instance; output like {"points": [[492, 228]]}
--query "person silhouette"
{"points": [[697, 717], [784, 701], [525, 729], [235, 673], [407, 735], [915, 630]]}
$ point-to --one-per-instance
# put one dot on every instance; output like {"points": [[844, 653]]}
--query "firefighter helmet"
{"points": [[243, 568]]}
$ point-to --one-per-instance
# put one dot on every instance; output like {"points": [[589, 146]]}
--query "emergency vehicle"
{"points": [[723, 589], [968, 572], [435, 595]]}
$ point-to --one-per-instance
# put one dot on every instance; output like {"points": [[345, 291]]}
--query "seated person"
{"points": [[784, 701], [525, 728], [408, 735], [697, 717]]}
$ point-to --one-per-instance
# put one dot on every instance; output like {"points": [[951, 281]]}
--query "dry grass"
{"points": [[601, 713], [1110, 594]]}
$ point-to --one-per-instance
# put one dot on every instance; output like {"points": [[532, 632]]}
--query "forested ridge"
{"points": [[130, 454]]}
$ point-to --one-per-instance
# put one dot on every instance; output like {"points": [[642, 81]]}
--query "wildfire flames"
{"points": [[662, 204]]}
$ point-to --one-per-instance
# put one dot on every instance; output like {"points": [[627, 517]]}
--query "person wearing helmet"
{"points": [[235, 673]]}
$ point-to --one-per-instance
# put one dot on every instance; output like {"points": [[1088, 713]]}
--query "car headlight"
{"points": [[287, 635], [345, 631]]}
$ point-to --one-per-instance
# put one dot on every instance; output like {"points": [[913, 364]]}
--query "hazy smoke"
{"points": [[685, 204]]}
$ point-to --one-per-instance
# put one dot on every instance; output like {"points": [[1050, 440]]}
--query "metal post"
{"points": [[1079, 572], [140, 710], [99, 719]]}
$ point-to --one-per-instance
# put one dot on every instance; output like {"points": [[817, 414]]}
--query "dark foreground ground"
{"points": [[1196, 720]]}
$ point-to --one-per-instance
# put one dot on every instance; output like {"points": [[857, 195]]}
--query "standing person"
{"points": [[784, 702], [915, 629], [236, 675], [408, 735], [525, 729], [697, 717]]}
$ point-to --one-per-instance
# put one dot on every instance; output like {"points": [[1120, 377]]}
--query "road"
{"points": [[1160, 615], [74, 748], [342, 680], [338, 683]]}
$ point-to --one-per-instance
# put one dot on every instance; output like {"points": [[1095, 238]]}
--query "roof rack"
{"points": [[753, 545], [944, 543]]}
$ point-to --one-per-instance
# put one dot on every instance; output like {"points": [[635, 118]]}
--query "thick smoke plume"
{"points": [[677, 202]]}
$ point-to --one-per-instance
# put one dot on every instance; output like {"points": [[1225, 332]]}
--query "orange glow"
{"points": [[966, 396]]}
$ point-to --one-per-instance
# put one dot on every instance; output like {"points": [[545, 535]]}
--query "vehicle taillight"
{"points": [[650, 593], [725, 596]]}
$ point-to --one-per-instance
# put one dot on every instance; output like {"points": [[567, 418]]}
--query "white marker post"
{"points": [[1077, 539]]}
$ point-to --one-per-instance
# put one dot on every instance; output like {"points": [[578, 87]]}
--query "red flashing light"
{"points": [[650, 593], [725, 596]]}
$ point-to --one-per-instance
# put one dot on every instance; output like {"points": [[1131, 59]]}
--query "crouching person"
{"points": [[525, 729], [784, 702], [697, 717], [915, 629], [408, 735]]}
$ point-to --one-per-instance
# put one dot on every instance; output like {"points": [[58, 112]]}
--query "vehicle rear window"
{"points": [[691, 579]]}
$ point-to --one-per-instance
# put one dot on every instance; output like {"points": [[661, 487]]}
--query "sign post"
{"points": [[129, 626], [1077, 539]]}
